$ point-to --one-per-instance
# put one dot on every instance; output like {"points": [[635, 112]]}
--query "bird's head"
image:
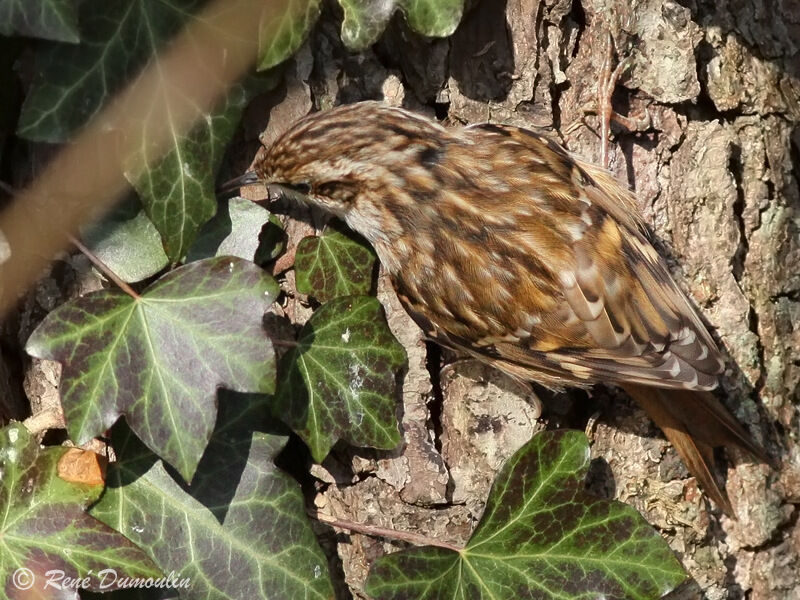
{"points": [[354, 152]]}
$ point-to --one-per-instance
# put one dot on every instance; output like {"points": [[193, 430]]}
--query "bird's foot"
{"points": [[607, 81]]}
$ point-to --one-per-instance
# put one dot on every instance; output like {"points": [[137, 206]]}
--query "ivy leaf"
{"points": [[46, 19], [73, 82], [127, 242], [434, 18], [237, 230], [160, 358], [178, 190], [337, 263], [340, 380], [365, 20], [272, 241], [239, 531], [43, 525], [541, 536], [281, 35]]}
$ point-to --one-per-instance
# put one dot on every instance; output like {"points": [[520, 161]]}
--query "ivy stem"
{"points": [[104, 268], [384, 532]]}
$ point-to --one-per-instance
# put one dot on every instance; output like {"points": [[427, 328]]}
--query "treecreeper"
{"points": [[503, 245]]}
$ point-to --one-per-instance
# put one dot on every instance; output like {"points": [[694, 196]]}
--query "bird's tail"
{"points": [[696, 422]]}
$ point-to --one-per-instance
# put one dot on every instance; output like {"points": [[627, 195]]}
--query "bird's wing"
{"points": [[615, 314]]}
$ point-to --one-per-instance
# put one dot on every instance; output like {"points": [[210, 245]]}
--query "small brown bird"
{"points": [[502, 244]]}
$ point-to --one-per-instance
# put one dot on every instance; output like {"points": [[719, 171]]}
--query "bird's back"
{"points": [[538, 262]]}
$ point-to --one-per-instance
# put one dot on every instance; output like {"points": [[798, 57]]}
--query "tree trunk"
{"points": [[714, 176]]}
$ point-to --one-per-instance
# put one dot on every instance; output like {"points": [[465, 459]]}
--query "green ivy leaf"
{"points": [[337, 263], [340, 380], [541, 536], [46, 19], [434, 18], [240, 529], [159, 359], [365, 20], [272, 241], [43, 524], [280, 36], [127, 242], [178, 190], [236, 230], [74, 81]]}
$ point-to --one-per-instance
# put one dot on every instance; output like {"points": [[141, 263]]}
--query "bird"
{"points": [[503, 245]]}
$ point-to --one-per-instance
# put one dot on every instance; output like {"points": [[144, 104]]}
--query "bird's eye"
{"points": [[302, 188]]}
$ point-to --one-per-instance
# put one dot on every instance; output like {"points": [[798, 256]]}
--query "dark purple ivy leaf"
{"points": [[45, 528], [239, 530], [160, 359]]}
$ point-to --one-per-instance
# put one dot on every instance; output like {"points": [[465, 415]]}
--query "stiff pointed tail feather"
{"points": [[695, 423]]}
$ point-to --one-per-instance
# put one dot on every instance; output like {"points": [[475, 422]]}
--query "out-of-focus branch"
{"points": [[211, 54]]}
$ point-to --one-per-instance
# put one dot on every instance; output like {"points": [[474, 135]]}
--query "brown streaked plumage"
{"points": [[502, 244]]}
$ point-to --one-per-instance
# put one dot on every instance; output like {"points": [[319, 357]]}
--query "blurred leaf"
{"points": [[239, 531], [277, 41], [340, 380], [236, 230], [365, 20], [127, 242], [337, 263], [43, 525], [159, 359], [541, 536], [47, 19]]}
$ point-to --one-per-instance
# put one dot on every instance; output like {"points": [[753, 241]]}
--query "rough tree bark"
{"points": [[714, 177]]}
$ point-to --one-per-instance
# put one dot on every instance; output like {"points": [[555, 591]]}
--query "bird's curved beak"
{"points": [[249, 178]]}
